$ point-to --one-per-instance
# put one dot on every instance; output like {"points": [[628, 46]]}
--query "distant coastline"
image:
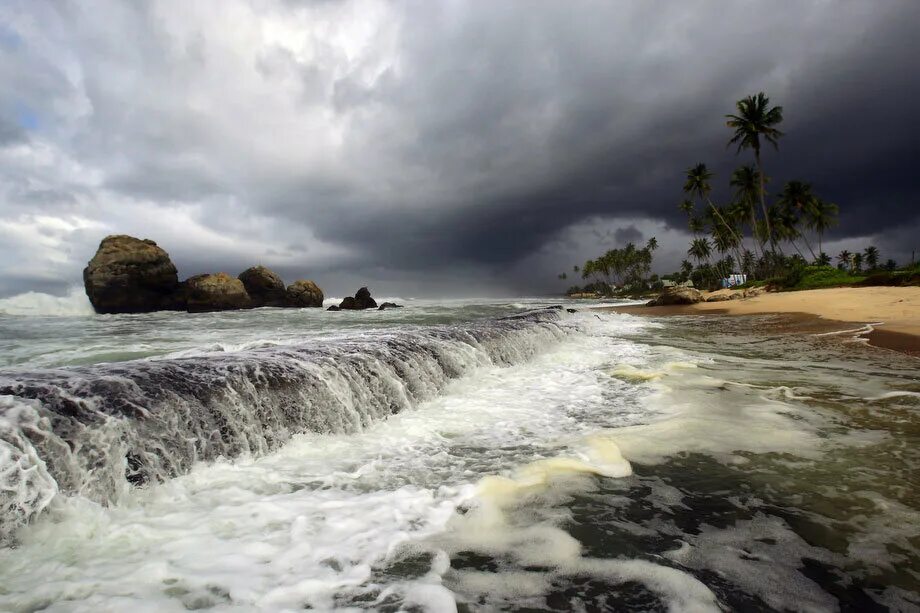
{"points": [[891, 314]]}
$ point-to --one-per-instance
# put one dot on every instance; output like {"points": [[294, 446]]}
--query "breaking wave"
{"points": [[37, 304], [95, 431]]}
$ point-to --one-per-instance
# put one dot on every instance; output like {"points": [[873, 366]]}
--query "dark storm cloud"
{"points": [[348, 140]]}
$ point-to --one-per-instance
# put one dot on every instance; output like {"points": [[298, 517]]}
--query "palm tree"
{"points": [[799, 205], [699, 250], [857, 262], [755, 119], [872, 256], [823, 259], [843, 259], [890, 265], [698, 185], [823, 216], [686, 269], [687, 207]]}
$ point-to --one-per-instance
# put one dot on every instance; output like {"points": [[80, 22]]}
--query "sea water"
{"points": [[470, 455]]}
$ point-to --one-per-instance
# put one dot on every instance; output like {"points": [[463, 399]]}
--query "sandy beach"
{"points": [[893, 312]]}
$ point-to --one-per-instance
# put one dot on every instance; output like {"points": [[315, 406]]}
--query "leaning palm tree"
{"points": [[756, 119], [698, 184], [799, 205], [746, 181]]}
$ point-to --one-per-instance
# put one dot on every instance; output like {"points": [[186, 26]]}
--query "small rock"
{"points": [[389, 305]]}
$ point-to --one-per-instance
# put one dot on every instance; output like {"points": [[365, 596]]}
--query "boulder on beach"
{"points": [[215, 292], [360, 301], [131, 275], [677, 295], [389, 305], [724, 294], [264, 286], [304, 293]]}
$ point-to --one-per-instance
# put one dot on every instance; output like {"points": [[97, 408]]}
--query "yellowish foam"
{"points": [[631, 374], [599, 456]]}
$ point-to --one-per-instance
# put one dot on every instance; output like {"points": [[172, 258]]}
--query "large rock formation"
{"points": [[130, 275], [361, 300], [304, 293], [265, 287], [677, 295], [217, 292]]}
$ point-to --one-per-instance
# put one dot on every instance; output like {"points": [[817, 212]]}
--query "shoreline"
{"points": [[891, 315]]}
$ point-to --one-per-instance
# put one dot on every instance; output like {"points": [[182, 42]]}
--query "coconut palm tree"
{"points": [[698, 184], [756, 120], [857, 260], [823, 216], [871, 254], [687, 207], [844, 259], [799, 205], [699, 250], [823, 259]]}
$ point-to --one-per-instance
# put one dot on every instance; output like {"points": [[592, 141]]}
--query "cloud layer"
{"points": [[430, 148]]}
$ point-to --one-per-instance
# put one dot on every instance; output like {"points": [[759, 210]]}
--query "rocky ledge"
{"points": [[132, 275]]}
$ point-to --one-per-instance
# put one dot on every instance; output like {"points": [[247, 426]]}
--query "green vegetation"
{"points": [[618, 271], [777, 243]]}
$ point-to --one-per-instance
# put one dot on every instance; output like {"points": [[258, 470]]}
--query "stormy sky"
{"points": [[433, 148]]}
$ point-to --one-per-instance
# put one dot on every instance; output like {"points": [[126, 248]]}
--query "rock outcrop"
{"points": [[677, 295], [361, 300], [304, 293], [389, 305], [131, 275], [264, 286], [215, 292]]}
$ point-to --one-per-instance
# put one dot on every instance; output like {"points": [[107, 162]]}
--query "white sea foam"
{"points": [[36, 304]]}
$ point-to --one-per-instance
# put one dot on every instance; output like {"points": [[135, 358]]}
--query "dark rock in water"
{"points": [[555, 306], [333, 308], [361, 300], [215, 292], [572, 310], [264, 286], [304, 293], [677, 295], [130, 275], [389, 305]]}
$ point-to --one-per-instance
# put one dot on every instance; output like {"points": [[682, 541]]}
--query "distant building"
{"points": [[733, 280]]}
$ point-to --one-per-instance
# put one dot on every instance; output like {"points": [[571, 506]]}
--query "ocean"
{"points": [[453, 455]]}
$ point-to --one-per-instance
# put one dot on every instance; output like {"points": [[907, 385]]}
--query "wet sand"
{"points": [[891, 313]]}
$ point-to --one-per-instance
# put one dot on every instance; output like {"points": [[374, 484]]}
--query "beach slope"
{"points": [[893, 312]]}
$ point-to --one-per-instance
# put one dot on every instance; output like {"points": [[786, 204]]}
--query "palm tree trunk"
{"points": [[763, 199]]}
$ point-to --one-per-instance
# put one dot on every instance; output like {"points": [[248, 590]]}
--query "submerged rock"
{"points": [[677, 295], [131, 275], [334, 308], [389, 305], [304, 293], [264, 286], [215, 292]]}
